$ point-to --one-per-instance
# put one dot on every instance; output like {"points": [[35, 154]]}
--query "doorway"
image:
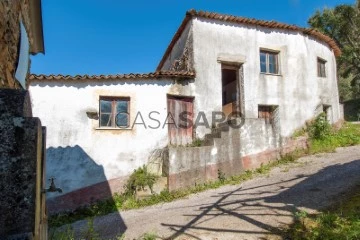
{"points": [[180, 118], [231, 90]]}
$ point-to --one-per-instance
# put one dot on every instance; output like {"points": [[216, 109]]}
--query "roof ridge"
{"points": [[249, 21]]}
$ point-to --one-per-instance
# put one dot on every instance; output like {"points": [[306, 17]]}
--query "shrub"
{"points": [[138, 180], [320, 128]]}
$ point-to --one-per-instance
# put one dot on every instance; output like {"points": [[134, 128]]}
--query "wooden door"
{"points": [[180, 119]]}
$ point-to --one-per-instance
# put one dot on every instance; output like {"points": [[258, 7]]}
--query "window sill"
{"points": [[272, 74], [116, 129]]}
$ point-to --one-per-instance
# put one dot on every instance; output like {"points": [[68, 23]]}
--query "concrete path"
{"points": [[251, 210]]}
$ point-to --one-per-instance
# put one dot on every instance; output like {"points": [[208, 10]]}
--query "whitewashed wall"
{"points": [[297, 90], [79, 153]]}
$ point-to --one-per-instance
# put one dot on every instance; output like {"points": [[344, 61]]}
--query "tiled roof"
{"points": [[130, 76], [248, 21]]}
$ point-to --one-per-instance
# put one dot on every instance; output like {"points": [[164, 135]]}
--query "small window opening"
{"points": [[114, 112], [321, 67], [269, 62], [266, 112]]}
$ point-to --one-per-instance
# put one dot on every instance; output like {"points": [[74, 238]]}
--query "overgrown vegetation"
{"points": [[348, 135], [339, 222], [324, 138]]}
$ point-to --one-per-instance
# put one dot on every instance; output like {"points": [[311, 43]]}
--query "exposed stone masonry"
{"points": [[11, 11]]}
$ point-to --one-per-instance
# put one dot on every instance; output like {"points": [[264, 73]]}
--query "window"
{"points": [[114, 112], [266, 112], [321, 67], [269, 62]]}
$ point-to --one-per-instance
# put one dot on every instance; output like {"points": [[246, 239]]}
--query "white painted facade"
{"points": [[79, 153], [297, 90]]}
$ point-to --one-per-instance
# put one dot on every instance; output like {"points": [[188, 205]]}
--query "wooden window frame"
{"points": [[267, 61], [114, 100], [321, 67]]}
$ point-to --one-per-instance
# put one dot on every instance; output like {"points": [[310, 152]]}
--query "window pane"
{"points": [[105, 106], [273, 68], [262, 57], [122, 120], [122, 106], [263, 67], [105, 120]]}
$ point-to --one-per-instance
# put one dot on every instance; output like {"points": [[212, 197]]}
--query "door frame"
{"points": [[180, 96]]}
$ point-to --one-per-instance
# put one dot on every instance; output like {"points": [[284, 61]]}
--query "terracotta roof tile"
{"points": [[249, 21], [130, 76]]}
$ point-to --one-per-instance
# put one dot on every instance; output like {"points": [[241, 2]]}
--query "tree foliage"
{"points": [[342, 23]]}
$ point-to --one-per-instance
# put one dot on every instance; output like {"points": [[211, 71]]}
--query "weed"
{"points": [[197, 142], [341, 221], [221, 176], [148, 236], [90, 233], [138, 180], [320, 127]]}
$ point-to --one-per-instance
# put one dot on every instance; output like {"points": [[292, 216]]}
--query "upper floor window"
{"points": [[269, 62], [321, 67], [114, 112]]}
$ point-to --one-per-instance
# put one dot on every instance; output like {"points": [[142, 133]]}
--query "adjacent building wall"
{"points": [[22, 212], [11, 13]]}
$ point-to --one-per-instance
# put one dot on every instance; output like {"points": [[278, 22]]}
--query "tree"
{"points": [[342, 23]]}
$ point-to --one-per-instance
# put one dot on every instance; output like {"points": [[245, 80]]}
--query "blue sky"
{"points": [[122, 36]]}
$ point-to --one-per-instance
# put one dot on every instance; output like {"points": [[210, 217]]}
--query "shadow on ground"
{"points": [[258, 205], [83, 182]]}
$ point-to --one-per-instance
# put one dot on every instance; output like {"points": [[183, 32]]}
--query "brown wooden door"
{"points": [[180, 112]]}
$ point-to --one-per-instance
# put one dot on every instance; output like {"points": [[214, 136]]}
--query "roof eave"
{"points": [[224, 17], [36, 27]]}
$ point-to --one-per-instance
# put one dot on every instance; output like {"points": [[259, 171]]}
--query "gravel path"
{"points": [[250, 210]]}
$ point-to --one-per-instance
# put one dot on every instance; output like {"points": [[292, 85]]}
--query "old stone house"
{"points": [[275, 77], [22, 203]]}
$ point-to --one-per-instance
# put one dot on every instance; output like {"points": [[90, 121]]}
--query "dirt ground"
{"points": [[254, 209]]}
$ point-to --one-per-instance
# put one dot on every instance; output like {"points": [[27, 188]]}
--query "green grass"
{"points": [[348, 135], [342, 221]]}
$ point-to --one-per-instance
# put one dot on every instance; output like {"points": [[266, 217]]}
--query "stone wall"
{"points": [[22, 209], [11, 11]]}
